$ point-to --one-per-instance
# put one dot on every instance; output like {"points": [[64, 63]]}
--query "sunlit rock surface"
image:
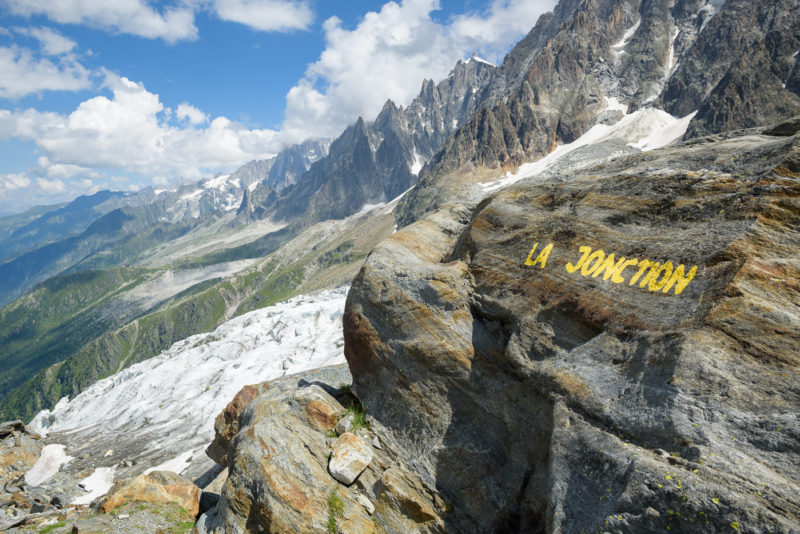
{"points": [[541, 393]]}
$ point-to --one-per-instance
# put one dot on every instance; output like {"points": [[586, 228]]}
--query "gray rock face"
{"points": [[613, 352], [734, 64], [293, 162], [19, 450]]}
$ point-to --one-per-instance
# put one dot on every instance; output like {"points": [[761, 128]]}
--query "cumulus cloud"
{"points": [[172, 23], [51, 186], [22, 73], [53, 43], [133, 17], [190, 113], [131, 132], [504, 24], [388, 55], [12, 182], [266, 15]]}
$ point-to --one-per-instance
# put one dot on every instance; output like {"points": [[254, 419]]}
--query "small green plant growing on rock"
{"points": [[335, 509], [359, 418]]}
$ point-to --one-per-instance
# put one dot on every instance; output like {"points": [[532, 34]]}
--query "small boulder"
{"points": [[345, 424], [157, 487], [364, 501], [350, 457], [322, 414]]}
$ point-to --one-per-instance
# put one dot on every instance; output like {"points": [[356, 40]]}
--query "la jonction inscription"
{"points": [[647, 274]]}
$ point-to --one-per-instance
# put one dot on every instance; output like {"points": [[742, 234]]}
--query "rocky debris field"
{"points": [[39, 497], [614, 350]]}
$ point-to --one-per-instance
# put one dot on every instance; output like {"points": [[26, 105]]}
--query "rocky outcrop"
{"points": [[733, 63], [615, 350], [19, 450], [284, 460], [156, 487]]}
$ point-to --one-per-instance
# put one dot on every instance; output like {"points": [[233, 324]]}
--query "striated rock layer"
{"points": [[613, 351], [290, 472]]}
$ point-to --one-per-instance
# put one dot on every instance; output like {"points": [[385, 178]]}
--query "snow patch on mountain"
{"points": [[622, 43], [645, 129], [96, 485], [50, 461], [480, 60]]}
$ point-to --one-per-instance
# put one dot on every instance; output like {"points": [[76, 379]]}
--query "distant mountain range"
{"points": [[73, 268]]}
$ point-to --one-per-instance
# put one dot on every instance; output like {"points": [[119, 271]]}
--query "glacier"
{"points": [[160, 413]]}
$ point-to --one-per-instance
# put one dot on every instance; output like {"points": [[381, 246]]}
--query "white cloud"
{"points": [[172, 23], [266, 15], [12, 182], [388, 55], [131, 132], [134, 17], [51, 186], [21, 73], [188, 112], [504, 24], [53, 43]]}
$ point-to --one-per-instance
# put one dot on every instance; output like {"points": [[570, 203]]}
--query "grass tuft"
{"points": [[51, 528], [335, 509]]}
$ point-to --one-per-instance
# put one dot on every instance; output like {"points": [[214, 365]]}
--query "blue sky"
{"points": [[97, 94]]}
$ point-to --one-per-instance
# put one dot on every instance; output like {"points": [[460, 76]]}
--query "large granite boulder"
{"points": [[278, 446], [614, 351]]}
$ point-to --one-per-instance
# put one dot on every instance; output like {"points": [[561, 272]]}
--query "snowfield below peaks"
{"points": [[643, 130], [163, 409]]}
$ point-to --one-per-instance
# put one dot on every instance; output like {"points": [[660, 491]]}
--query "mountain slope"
{"points": [[374, 162], [131, 324], [161, 412]]}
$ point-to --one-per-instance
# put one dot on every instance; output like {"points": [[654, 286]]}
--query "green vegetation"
{"points": [[335, 509], [111, 350], [73, 330], [55, 319], [51, 528], [359, 418]]}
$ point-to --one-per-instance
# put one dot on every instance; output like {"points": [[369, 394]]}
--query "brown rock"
{"points": [[157, 487], [278, 479], [226, 423], [405, 498], [533, 386]]}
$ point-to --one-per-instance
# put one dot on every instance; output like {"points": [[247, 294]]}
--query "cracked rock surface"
{"points": [[539, 385]]}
